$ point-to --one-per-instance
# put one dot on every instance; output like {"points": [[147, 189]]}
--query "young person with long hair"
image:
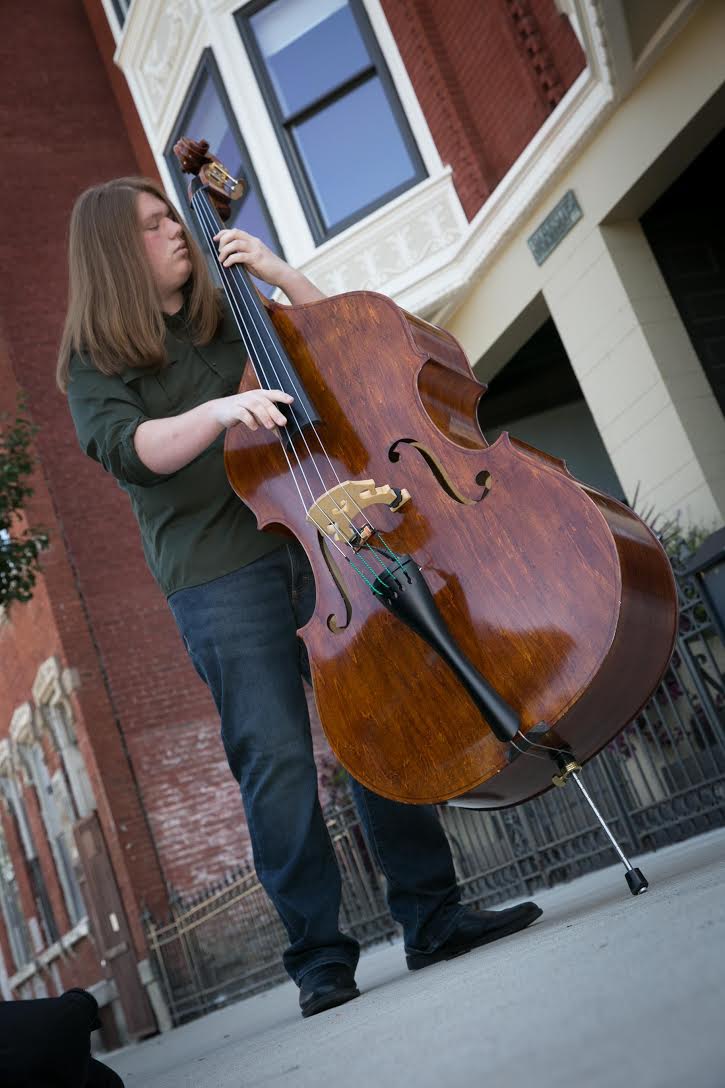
{"points": [[151, 361]]}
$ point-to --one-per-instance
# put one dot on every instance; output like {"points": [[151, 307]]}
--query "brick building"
{"points": [[533, 174]]}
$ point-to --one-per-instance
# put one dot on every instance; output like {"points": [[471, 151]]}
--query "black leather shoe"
{"points": [[477, 928], [325, 987]]}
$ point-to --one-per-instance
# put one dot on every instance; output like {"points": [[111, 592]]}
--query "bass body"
{"points": [[560, 596]]}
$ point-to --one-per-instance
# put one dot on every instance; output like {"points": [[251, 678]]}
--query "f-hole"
{"points": [[336, 576], [483, 478]]}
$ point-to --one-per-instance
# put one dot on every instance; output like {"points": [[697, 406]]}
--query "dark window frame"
{"points": [[208, 67], [121, 11], [298, 173]]}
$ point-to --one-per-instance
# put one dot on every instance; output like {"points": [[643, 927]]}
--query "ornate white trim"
{"points": [[547, 157], [159, 77], [21, 725], [395, 249], [153, 51], [392, 250], [47, 681], [409, 235], [70, 680]]}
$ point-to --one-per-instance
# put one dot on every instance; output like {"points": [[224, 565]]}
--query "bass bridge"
{"points": [[334, 512]]}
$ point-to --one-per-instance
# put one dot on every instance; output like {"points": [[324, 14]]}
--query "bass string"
{"points": [[206, 217], [209, 227], [205, 214]]}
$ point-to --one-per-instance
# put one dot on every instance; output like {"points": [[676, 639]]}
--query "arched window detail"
{"points": [[26, 735], [11, 909], [56, 716], [43, 927]]}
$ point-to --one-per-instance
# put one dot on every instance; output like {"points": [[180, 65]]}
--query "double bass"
{"points": [[485, 623]]}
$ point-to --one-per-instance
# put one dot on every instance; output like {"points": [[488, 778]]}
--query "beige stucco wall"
{"points": [[642, 381]]}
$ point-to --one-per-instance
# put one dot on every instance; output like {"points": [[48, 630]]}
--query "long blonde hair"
{"points": [[114, 314]]}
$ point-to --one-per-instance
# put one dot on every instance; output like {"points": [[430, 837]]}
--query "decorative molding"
{"points": [[398, 240], [70, 680], [528, 32], [608, 33], [21, 725], [160, 58], [154, 48], [607, 43], [47, 681], [419, 249], [547, 157]]}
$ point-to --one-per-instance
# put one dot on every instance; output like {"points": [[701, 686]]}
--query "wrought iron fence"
{"points": [[662, 779]]}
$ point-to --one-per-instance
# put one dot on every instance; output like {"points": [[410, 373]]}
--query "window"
{"points": [[207, 115], [65, 850], [11, 909], [339, 121], [57, 813], [9, 788], [121, 7], [58, 719]]}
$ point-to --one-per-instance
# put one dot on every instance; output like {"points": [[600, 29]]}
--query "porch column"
{"points": [[639, 373]]}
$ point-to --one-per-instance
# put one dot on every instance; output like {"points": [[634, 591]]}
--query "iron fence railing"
{"points": [[662, 779]]}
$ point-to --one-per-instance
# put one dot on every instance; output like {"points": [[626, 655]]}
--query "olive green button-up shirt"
{"points": [[193, 526]]}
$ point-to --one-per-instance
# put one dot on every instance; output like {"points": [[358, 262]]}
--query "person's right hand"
{"points": [[255, 407]]}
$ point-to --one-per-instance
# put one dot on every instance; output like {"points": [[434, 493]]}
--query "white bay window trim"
{"points": [[160, 73], [116, 28], [159, 53]]}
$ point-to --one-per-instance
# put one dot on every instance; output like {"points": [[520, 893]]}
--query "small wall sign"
{"points": [[556, 226]]}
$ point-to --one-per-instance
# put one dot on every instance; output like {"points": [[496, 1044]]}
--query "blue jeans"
{"points": [[241, 633]]}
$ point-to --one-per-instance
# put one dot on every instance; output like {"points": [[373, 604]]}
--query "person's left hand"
{"points": [[238, 247]]}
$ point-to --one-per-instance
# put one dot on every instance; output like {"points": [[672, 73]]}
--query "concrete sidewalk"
{"points": [[604, 991]]}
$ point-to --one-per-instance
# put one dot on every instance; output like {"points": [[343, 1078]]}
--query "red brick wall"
{"points": [[487, 75], [66, 132], [53, 624], [149, 731], [134, 129]]}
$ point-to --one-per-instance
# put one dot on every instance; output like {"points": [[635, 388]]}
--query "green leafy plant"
{"points": [[679, 543], [19, 552]]}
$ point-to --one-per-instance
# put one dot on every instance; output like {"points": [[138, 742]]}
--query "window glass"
{"points": [[11, 909], [207, 115], [309, 49], [207, 120], [334, 107], [353, 152]]}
